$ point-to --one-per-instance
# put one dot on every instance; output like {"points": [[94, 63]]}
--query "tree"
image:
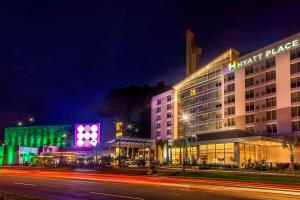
{"points": [[291, 142], [132, 104]]}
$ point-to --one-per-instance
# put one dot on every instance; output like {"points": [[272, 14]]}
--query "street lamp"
{"points": [[31, 119], [19, 123], [185, 118]]}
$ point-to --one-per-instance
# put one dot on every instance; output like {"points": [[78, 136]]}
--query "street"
{"points": [[85, 185]]}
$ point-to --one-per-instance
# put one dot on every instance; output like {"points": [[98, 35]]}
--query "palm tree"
{"points": [[291, 142]]}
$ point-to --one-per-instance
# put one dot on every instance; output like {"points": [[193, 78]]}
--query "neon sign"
{"points": [[87, 135], [264, 55]]}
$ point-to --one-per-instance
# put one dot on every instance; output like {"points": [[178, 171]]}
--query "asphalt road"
{"points": [[57, 188], [76, 189]]}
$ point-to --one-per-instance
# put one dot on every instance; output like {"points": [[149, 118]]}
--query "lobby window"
{"points": [[158, 118], [169, 98], [296, 126], [295, 111], [272, 115], [249, 94], [272, 128], [158, 109], [158, 102], [295, 68], [249, 70], [295, 82], [169, 131], [250, 106], [271, 102], [230, 87], [158, 125], [249, 119], [229, 77], [295, 96], [169, 106], [157, 133], [295, 53], [169, 115], [169, 123], [231, 110], [231, 121], [270, 88], [249, 82], [270, 75], [250, 129], [231, 99], [270, 62]]}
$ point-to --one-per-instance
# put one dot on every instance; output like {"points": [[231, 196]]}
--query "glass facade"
{"points": [[217, 153], [201, 99]]}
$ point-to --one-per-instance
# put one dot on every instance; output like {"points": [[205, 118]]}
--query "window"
{"points": [[193, 92], [295, 53], [231, 99], [158, 102], [158, 117], [157, 133], [295, 68], [249, 119], [295, 82], [158, 109], [169, 98], [272, 128], [270, 62], [231, 122], [271, 88], [169, 115], [296, 126], [230, 87], [249, 94], [249, 106], [271, 102], [270, 75], [169, 131], [231, 110], [249, 81], [169, 123], [229, 77], [295, 111], [271, 115], [169, 106], [295, 97], [250, 129], [158, 125], [249, 70]]}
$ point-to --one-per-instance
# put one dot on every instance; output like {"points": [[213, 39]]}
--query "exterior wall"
{"points": [[160, 119], [200, 96]]}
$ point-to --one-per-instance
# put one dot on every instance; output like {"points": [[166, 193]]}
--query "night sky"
{"points": [[59, 59]]}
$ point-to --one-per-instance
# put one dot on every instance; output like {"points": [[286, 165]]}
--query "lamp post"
{"points": [[185, 119]]}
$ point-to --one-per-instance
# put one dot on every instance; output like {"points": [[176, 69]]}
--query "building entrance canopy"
{"points": [[130, 142]]}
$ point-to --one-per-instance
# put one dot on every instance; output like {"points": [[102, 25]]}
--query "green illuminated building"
{"points": [[36, 137]]}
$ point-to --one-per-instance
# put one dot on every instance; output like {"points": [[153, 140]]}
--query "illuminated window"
{"points": [[271, 102], [193, 92]]}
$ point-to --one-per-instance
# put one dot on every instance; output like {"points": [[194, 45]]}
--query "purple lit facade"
{"points": [[87, 135]]}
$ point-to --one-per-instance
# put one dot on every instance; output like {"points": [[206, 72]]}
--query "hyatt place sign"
{"points": [[264, 55]]}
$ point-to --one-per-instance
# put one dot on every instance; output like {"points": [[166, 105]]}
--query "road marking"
{"points": [[27, 184], [114, 195]]}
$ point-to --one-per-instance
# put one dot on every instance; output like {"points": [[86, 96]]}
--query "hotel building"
{"points": [[237, 106]]}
